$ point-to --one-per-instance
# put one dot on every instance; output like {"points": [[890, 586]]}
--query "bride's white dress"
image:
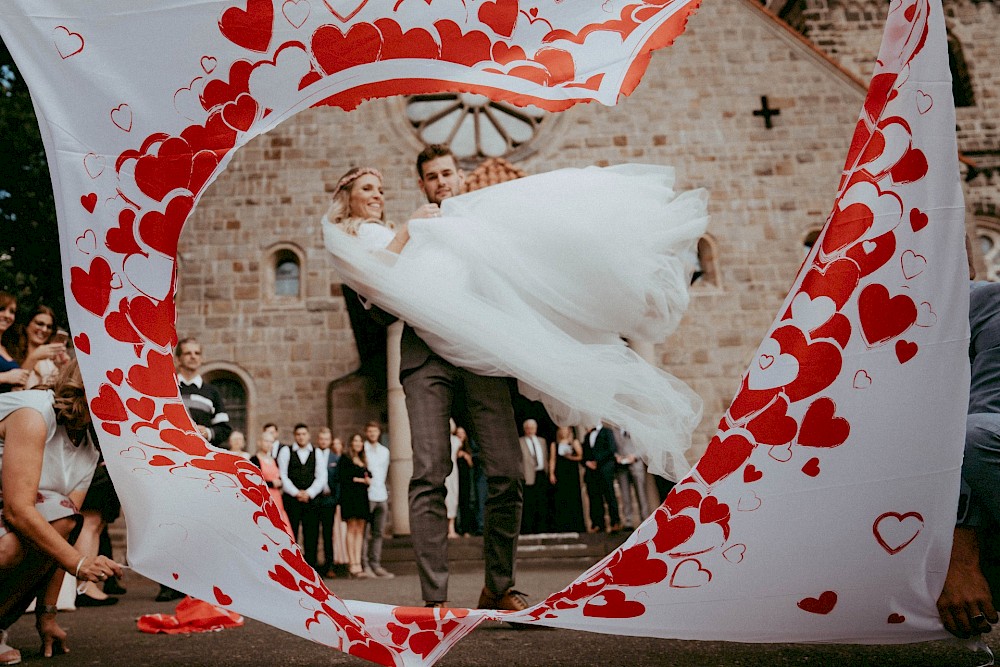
{"points": [[540, 279]]}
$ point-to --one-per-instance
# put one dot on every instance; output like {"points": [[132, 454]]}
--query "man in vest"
{"points": [[303, 477]]}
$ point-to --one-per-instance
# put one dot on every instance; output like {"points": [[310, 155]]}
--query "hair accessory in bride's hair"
{"points": [[353, 175]]}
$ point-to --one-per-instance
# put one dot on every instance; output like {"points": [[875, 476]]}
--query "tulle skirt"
{"points": [[541, 279]]}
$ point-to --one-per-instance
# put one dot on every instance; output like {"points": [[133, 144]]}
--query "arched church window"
{"points": [[961, 81], [234, 397], [988, 238], [287, 273], [474, 126], [706, 266]]}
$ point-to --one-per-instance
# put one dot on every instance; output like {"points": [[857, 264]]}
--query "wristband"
{"points": [[78, 566]]}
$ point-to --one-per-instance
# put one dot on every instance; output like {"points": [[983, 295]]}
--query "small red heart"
{"points": [[399, 633], [82, 343], [905, 350], [918, 219], [223, 599], [160, 460], [824, 604], [751, 474], [896, 618], [176, 576], [89, 202], [811, 467], [143, 407], [113, 429], [116, 376]]}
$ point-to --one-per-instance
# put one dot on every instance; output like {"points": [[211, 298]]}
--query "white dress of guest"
{"points": [[65, 467]]}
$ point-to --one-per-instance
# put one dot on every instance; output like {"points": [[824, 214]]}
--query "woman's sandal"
{"points": [[8, 654]]}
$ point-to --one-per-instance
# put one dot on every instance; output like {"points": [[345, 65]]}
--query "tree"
{"points": [[30, 265]]}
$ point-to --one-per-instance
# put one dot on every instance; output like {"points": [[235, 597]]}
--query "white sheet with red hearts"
{"points": [[821, 511]]}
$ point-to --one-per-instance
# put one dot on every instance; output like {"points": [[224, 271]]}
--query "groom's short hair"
{"points": [[431, 152]]}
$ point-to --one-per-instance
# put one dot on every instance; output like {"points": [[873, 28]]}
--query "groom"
{"points": [[433, 387]]}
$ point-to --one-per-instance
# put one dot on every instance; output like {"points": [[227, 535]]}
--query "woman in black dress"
{"points": [[354, 480], [565, 455]]}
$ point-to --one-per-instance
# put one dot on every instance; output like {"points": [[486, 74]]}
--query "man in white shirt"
{"points": [[377, 456], [303, 475], [536, 480]]}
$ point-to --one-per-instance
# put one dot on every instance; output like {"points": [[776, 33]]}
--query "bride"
{"points": [[543, 279]]}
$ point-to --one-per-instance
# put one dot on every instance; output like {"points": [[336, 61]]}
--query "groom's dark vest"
{"points": [[301, 474]]}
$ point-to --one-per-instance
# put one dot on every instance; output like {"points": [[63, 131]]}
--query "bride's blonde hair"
{"points": [[340, 210]]}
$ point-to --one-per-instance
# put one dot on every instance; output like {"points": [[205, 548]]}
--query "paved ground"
{"points": [[108, 637]]}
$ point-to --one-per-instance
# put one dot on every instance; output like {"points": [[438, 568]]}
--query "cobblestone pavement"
{"points": [[108, 637]]}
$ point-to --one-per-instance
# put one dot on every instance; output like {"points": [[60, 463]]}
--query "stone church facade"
{"points": [[257, 287]]}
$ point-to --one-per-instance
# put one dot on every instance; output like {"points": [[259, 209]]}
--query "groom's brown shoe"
{"points": [[509, 600]]}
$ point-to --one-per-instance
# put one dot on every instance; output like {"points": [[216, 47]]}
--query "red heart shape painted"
{"points": [[837, 328], [751, 474], [116, 376], [884, 317], [162, 230], [846, 227], [170, 169], [679, 500], [156, 378], [837, 280], [894, 531], [905, 350], [143, 407], [89, 201], [689, 574], [415, 43], [633, 567], [118, 325], [873, 254], [250, 28], [918, 219], [811, 468], [92, 289], [500, 16], [671, 532], [113, 429], [121, 239], [821, 360], [464, 48], [712, 511], [82, 343], [774, 426], [284, 577], [335, 51], [240, 114], [723, 457], [223, 599], [820, 428], [895, 619], [154, 320], [824, 604], [912, 167], [160, 460], [215, 134], [612, 603]]}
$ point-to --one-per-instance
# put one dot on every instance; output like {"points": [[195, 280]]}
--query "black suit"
{"points": [[601, 481]]}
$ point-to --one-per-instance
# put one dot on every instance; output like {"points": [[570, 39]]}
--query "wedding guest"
{"points": [[237, 444], [272, 430], [47, 461], [536, 479], [599, 476], [630, 471], [36, 348], [377, 460], [477, 508], [202, 400], [99, 509], [354, 477], [303, 476], [565, 455], [329, 497], [11, 374], [269, 471]]}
